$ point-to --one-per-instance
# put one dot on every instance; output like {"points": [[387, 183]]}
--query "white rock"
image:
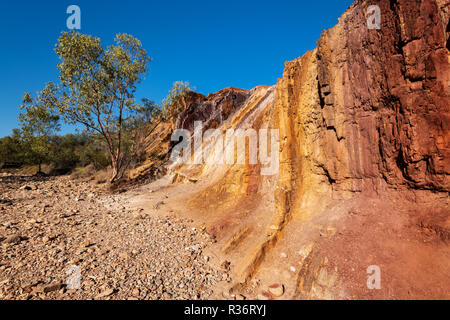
{"points": [[277, 290], [262, 297]]}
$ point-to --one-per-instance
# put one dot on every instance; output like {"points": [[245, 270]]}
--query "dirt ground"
{"points": [[53, 230], [147, 243]]}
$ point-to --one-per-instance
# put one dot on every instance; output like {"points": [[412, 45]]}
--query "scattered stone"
{"points": [[6, 202], [13, 239], [135, 292], [70, 238], [264, 296], [28, 288], [123, 255], [39, 288], [52, 287], [86, 244], [276, 290], [105, 293], [158, 204], [226, 265]]}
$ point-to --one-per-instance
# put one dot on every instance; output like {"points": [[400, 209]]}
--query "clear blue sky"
{"points": [[212, 44]]}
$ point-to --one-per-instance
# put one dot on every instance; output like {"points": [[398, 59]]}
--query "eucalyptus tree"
{"points": [[98, 85], [38, 123]]}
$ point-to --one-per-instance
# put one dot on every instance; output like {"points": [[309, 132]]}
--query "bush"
{"points": [[175, 102]]}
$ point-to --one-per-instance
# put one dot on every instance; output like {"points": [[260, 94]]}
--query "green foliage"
{"points": [[98, 86], [93, 151], [38, 123], [12, 150], [175, 102], [64, 152], [148, 111]]}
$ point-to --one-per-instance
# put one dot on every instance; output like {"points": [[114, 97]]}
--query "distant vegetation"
{"points": [[175, 101], [62, 153], [96, 89]]}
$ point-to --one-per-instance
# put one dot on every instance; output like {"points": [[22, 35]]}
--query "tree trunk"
{"points": [[115, 169]]}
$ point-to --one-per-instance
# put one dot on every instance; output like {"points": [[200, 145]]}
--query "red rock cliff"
{"points": [[363, 164], [373, 105]]}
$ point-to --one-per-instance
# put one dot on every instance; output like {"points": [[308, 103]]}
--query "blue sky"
{"points": [[211, 44]]}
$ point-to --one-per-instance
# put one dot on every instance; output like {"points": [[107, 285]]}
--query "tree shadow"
{"points": [[24, 179]]}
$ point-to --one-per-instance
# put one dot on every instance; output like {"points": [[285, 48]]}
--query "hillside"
{"points": [[344, 170], [364, 163]]}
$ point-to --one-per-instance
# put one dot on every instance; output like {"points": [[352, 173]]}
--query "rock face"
{"points": [[372, 106], [364, 118], [364, 165], [211, 110]]}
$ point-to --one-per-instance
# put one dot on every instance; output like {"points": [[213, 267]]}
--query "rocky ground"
{"points": [[53, 229]]}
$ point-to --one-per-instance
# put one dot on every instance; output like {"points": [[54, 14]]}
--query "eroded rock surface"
{"points": [[363, 180], [61, 229]]}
